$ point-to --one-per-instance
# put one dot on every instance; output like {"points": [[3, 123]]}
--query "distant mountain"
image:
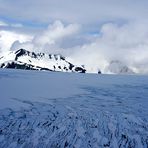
{"points": [[117, 67], [23, 59]]}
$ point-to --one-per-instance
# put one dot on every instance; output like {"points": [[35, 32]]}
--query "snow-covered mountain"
{"points": [[117, 67], [23, 59]]}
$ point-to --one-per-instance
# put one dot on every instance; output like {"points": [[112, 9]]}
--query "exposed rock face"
{"points": [[23, 59]]}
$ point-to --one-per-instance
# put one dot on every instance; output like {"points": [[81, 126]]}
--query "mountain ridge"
{"points": [[24, 59]]}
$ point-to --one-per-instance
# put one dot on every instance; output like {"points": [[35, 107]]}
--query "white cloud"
{"points": [[55, 32], [7, 38], [49, 39], [127, 43], [86, 12], [16, 25], [3, 23]]}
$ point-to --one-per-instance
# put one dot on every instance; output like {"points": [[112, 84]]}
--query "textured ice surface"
{"points": [[39, 109]]}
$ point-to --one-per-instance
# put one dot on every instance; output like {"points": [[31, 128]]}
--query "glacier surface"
{"points": [[53, 109]]}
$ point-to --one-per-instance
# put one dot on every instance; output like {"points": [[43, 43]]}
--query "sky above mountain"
{"points": [[87, 32]]}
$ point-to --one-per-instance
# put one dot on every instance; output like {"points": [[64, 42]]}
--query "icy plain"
{"points": [[57, 110]]}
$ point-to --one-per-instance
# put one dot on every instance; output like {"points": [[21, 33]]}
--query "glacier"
{"points": [[40, 109]]}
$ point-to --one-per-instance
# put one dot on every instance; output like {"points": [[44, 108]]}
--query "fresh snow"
{"points": [[23, 59], [52, 109]]}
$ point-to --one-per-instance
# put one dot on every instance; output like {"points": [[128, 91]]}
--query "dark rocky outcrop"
{"points": [[24, 59]]}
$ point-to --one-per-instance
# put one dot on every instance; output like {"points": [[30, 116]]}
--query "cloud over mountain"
{"points": [[91, 33], [127, 43]]}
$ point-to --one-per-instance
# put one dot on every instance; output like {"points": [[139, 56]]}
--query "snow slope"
{"points": [[45, 109], [23, 59]]}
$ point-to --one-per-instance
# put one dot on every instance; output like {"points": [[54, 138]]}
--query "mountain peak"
{"points": [[38, 61]]}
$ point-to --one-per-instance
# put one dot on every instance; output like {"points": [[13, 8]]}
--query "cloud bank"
{"points": [[50, 39], [127, 43], [88, 13], [7, 38]]}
